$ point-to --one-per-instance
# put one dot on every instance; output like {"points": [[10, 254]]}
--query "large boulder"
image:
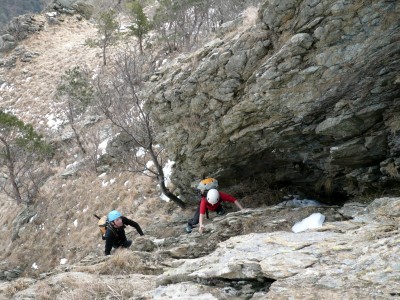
{"points": [[308, 96]]}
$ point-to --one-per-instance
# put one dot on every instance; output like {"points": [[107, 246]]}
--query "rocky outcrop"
{"points": [[350, 259], [21, 221], [18, 29], [72, 7], [250, 254], [308, 96]]}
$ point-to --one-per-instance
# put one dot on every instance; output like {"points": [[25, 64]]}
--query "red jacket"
{"points": [[204, 205]]}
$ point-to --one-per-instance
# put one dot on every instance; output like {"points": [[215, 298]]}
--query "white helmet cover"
{"points": [[212, 196]]}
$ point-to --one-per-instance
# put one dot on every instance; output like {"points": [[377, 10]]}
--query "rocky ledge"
{"points": [[250, 254]]}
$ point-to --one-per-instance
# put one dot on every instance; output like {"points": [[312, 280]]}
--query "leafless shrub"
{"points": [[186, 24], [119, 101], [326, 185]]}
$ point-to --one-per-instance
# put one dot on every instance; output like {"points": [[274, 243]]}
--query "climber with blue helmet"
{"points": [[115, 235]]}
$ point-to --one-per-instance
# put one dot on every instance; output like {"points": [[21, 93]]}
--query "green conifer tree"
{"points": [[107, 29], [141, 25], [21, 149]]}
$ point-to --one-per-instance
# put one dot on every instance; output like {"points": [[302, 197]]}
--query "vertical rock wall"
{"points": [[309, 95]]}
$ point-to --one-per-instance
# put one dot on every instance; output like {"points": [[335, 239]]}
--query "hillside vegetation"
{"points": [[272, 100]]}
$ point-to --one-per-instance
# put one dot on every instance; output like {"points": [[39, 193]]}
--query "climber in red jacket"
{"points": [[213, 202]]}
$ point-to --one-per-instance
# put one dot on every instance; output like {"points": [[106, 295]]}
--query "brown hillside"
{"points": [[63, 225]]}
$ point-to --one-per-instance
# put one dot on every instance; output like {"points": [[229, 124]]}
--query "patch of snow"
{"points": [[158, 241], [76, 223], [53, 122], [167, 174], [73, 165], [103, 146], [300, 203], [333, 149], [141, 152], [314, 221], [63, 261], [163, 197], [51, 14], [34, 266]]}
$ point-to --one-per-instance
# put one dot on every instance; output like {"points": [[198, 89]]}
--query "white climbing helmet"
{"points": [[212, 196]]}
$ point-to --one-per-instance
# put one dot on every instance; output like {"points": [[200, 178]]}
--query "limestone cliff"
{"points": [[308, 96]]}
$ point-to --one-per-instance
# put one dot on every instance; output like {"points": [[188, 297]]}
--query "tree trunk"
{"points": [[17, 194], [11, 173], [161, 180], [169, 194], [141, 44], [78, 140], [104, 53]]}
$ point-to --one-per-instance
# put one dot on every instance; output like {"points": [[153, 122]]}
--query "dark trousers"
{"points": [[125, 244], [195, 220]]}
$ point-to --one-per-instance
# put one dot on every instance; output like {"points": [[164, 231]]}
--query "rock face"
{"points": [[308, 96], [18, 29], [249, 254], [354, 259]]}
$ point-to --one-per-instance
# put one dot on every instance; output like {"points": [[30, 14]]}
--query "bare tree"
{"points": [[119, 100], [75, 93], [92, 139], [181, 23], [21, 152]]}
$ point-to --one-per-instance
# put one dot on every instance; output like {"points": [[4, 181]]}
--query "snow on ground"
{"points": [[29, 88], [167, 174], [313, 221]]}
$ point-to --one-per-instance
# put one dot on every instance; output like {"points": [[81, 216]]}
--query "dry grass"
{"points": [[326, 185], [60, 47], [392, 170], [14, 287], [45, 291], [53, 233], [100, 289], [69, 286], [123, 261]]}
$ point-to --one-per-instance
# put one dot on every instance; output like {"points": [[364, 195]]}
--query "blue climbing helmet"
{"points": [[113, 215]]}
